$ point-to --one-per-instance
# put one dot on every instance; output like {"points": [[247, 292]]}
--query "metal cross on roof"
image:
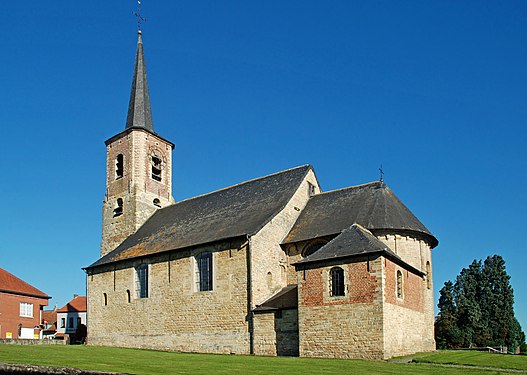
{"points": [[140, 18], [382, 174]]}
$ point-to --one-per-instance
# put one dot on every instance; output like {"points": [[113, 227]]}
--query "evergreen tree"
{"points": [[477, 310], [447, 333]]}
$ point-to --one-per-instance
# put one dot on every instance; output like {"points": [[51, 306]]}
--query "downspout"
{"points": [[250, 321]]}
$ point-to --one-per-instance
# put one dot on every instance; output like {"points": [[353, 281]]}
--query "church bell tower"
{"points": [[138, 166]]}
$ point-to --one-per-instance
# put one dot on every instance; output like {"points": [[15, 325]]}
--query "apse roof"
{"points": [[372, 205]]}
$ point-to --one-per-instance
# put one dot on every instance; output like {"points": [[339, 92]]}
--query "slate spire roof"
{"points": [[372, 205], [139, 110], [9, 283]]}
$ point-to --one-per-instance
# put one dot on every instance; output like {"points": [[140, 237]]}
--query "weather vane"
{"points": [[382, 174], [140, 18]]}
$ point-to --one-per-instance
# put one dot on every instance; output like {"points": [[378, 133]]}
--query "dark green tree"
{"points": [[477, 310], [447, 333]]}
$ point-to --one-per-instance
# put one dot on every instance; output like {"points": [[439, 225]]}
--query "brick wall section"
{"points": [[412, 287], [10, 313], [268, 260], [175, 316], [342, 327], [137, 189]]}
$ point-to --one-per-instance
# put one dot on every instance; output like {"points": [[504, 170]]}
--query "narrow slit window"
{"points": [[119, 166], [105, 297], [400, 289], [428, 275]]}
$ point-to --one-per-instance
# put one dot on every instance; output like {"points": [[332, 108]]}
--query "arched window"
{"points": [[119, 166], [128, 296], [400, 289], [118, 210], [105, 296], [157, 202], [428, 275], [311, 248], [336, 275], [204, 272], [141, 281]]}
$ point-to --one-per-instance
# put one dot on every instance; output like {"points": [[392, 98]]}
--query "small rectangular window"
{"points": [[311, 189], [204, 272], [63, 323], [26, 310]]}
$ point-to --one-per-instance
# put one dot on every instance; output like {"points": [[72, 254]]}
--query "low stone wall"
{"points": [[32, 342], [8, 368]]}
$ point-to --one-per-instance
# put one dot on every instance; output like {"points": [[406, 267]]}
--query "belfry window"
{"points": [[156, 167], [118, 210], [336, 275], [400, 293], [204, 272], [119, 166], [141, 281]]}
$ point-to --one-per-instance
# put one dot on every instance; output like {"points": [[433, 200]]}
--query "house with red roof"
{"points": [[21, 308], [71, 319]]}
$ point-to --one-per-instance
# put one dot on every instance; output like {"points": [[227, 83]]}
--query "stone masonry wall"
{"points": [[276, 333], [136, 187], [406, 324], [350, 326], [175, 316], [269, 262]]}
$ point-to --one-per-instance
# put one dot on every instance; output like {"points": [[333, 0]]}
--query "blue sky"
{"points": [[434, 91]]}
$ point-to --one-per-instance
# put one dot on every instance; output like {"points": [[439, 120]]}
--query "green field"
{"points": [[133, 361], [474, 358]]}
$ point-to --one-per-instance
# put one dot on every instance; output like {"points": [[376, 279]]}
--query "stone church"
{"points": [[270, 266]]}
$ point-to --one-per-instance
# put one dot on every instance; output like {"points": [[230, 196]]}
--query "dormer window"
{"points": [[119, 166]]}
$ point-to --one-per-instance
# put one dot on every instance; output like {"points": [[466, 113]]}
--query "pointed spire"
{"points": [[139, 110]]}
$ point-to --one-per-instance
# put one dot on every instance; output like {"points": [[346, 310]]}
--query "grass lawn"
{"points": [[134, 361], [474, 358]]}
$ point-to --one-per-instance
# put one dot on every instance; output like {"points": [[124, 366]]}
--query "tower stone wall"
{"points": [[133, 183]]}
